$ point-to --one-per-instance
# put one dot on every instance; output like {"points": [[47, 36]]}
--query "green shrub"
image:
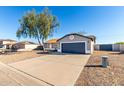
{"points": [[119, 43]]}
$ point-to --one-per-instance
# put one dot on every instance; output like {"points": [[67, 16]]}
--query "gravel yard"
{"points": [[18, 56], [94, 75]]}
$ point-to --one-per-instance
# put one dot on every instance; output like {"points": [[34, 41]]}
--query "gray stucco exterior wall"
{"points": [[89, 43]]}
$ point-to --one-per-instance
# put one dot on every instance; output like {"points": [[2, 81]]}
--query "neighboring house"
{"points": [[51, 44], [7, 43], [25, 46], [76, 43]]}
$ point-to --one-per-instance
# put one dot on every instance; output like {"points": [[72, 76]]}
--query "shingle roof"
{"points": [[93, 37], [26, 42]]}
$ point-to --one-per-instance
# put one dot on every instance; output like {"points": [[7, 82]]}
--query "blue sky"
{"points": [[106, 23]]}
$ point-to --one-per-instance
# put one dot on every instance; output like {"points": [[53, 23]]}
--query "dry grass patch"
{"points": [[18, 56]]}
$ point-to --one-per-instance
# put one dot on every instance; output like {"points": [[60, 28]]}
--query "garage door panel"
{"points": [[73, 48]]}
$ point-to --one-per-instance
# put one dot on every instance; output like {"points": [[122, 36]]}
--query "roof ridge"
{"points": [[75, 34], [26, 42], [7, 40]]}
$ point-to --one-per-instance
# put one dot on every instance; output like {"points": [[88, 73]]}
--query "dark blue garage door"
{"points": [[106, 47], [73, 48]]}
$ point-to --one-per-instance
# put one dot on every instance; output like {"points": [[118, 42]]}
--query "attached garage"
{"points": [[76, 43], [74, 47]]}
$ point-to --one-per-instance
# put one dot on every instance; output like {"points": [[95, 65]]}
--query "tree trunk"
{"points": [[39, 42], [43, 45], [38, 38]]}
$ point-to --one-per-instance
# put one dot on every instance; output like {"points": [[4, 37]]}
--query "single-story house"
{"points": [[51, 44], [72, 43], [25, 46], [76, 43], [7, 43]]}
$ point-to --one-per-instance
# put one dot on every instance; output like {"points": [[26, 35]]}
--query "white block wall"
{"points": [[116, 47], [31, 47], [122, 48], [96, 47]]}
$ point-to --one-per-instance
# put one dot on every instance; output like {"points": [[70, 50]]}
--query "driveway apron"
{"points": [[54, 69]]}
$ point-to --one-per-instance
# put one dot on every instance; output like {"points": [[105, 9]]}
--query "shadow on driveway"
{"points": [[58, 53], [93, 65]]}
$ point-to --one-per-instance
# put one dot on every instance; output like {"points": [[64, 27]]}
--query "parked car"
{"points": [[3, 49]]}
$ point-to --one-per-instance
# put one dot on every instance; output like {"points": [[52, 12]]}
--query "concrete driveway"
{"points": [[53, 69], [12, 77]]}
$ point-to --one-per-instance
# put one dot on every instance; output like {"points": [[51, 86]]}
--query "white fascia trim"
{"points": [[60, 50]]}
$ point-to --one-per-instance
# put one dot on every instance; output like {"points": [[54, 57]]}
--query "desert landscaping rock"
{"points": [[113, 75]]}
